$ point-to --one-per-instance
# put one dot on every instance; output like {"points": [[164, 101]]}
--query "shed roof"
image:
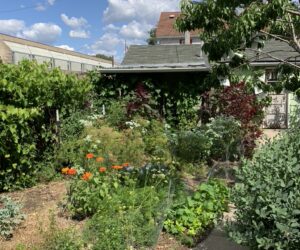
{"points": [[279, 51], [166, 23], [189, 58], [163, 54]]}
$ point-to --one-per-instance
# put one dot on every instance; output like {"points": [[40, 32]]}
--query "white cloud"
{"points": [[42, 32], [140, 10], [79, 34], [64, 46], [130, 21], [74, 22], [135, 30], [11, 26], [51, 2], [40, 7], [77, 26], [111, 27], [107, 42]]}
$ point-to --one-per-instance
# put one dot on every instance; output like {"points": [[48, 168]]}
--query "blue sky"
{"points": [[87, 26]]}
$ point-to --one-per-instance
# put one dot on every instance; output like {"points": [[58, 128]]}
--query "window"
{"points": [[276, 113]]}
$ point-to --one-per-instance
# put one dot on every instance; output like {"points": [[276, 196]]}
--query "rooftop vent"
{"points": [[171, 16]]}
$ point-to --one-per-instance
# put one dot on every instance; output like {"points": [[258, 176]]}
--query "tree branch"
{"points": [[275, 36], [295, 40], [294, 12]]}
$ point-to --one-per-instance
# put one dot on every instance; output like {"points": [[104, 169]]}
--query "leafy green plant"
{"points": [[30, 96], [226, 137], [10, 216], [131, 218], [191, 146], [267, 196], [191, 217]]}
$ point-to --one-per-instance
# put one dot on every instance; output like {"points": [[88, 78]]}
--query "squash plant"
{"points": [[190, 219]]}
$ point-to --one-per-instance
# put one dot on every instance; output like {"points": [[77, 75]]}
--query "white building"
{"points": [[13, 50]]}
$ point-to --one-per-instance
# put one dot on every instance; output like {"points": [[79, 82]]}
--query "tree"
{"points": [[152, 37], [231, 26]]}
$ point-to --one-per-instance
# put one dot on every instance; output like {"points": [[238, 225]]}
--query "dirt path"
{"points": [[38, 202]]}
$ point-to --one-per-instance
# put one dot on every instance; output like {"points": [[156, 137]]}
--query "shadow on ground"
{"points": [[218, 240]]}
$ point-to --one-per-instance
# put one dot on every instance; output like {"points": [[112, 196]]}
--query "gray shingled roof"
{"points": [[163, 55], [278, 49], [189, 58]]}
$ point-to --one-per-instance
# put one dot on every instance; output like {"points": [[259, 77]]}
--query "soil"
{"points": [[41, 201]]}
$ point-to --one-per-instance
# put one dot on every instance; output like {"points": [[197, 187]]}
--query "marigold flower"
{"points": [[89, 156], [99, 159], [126, 164], [86, 176], [72, 171], [117, 167], [65, 170], [102, 169]]}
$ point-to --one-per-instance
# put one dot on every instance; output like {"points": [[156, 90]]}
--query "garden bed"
{"points": [[38, 202]]}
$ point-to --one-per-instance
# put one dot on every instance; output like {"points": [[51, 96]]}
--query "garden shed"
{"points": [[188, 65]]}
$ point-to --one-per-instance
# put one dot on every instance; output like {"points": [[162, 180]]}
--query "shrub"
{"points": [[10, 216], [189, 219], [239, 101], [267, 196], [30, 95], [191, 146], [226, 138]]}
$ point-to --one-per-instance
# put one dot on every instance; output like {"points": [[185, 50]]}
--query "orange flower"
{"points": [[89, 156], [117, 167], [99, 159], [126, 164], [72, 171], [102, 169], [65, 170], [86, 176]]}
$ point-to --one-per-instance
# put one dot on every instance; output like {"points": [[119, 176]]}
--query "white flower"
{"points": [[88, 138]]}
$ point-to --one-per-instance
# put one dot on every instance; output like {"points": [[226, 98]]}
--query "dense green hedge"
{"points": [[30, 95], [267, 196]]}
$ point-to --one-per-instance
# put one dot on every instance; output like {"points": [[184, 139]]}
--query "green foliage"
{"points": [[131, 218], [226, 136], [219, 140], [229, 27], [84, 197], [30, 95], [152, 37], [55, 238], [191, 146], [17, 148], [190, 218], [117, 114], [10, 216], [267, 196]]}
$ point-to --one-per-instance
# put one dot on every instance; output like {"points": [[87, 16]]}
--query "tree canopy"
{"points": [[231, 26]]}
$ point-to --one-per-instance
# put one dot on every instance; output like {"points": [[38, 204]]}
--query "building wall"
{"points": [[13, 50], [5, 53]]}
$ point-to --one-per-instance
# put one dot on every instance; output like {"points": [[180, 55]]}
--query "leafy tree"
{"points": [[152, 37], [105, 57], [231, 26]]}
